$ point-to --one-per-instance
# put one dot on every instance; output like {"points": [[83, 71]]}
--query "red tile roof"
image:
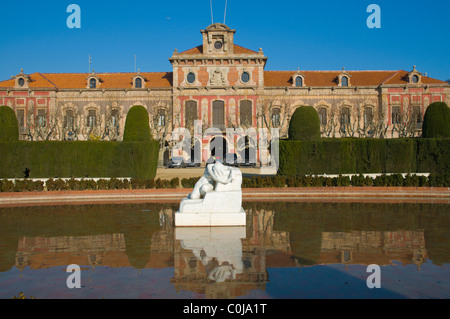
{"points": [[79, 80], [329, 78], [164, 79]]}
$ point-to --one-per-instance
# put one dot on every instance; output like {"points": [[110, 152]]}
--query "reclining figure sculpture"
{"points": [[216, 199]]}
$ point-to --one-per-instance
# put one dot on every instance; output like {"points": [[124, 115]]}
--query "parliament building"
{"points": [[224, 85]]}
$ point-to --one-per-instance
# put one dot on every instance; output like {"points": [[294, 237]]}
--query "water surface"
{"points": [[287, 250]]}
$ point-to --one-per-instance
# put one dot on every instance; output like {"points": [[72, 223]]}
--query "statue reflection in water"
{"points": [[219, 249]]}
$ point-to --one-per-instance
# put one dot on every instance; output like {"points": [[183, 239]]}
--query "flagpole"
{"points": [[212, 17], [225, 15]]}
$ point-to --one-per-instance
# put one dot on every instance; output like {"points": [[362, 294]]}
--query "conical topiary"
{"points": [[9, 128], [436, 122], [304, 124], [137, 127]]}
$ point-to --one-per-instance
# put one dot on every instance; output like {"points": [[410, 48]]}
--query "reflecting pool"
{"points": [[287, 250]]}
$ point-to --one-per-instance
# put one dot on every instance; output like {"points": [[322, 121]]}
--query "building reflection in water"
{"points": [[226, 262]]}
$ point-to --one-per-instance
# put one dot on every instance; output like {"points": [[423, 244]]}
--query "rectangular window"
{"points": [[191, 113], [323, 116], [245, 117], [68, 120], [345, 116], [21, 117], [276, 117], [417, 114], [161, 117], [115, 118], [218, 115], [41, 118], [368, 116], [396, 115], [92, 118]]}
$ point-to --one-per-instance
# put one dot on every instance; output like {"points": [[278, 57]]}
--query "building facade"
{"points": [[222, 85]]}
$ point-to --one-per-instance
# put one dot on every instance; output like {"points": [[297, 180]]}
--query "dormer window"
{"points": [[93, 83], [414, 77], [22, 80], [138, 83], [344, 81], [138, 80], [298, 79]]}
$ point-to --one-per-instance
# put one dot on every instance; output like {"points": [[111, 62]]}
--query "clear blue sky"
{"points": [[312, 35]]}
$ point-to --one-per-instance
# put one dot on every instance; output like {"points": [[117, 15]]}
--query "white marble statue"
{"points": [[216, 176], [215, 196]]}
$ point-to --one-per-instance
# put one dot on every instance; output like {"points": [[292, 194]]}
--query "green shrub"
{"points": [[190, 182], [137, 125], [436, 122], [174, 182], [9, 128], [6, 185], [56, 185], [27, 185], [304, 124]]}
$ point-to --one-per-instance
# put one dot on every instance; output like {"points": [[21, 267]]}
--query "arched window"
{"points": [[344, 81], [138, 83], [298, 81], [21, 82], [190, 113], [245, 114], [92, 83], [323, 116]]}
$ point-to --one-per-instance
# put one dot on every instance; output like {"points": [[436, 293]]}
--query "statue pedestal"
{"points": [[216, 209]]}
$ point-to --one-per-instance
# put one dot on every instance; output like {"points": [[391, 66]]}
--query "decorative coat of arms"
{"points": [[217, 77]]}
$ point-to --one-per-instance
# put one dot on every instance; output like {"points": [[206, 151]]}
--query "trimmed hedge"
{"points": [[57, 159], [9, 128], [355, 156], [393, 180], [27, 185], [304, 124], [436, 122]]}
